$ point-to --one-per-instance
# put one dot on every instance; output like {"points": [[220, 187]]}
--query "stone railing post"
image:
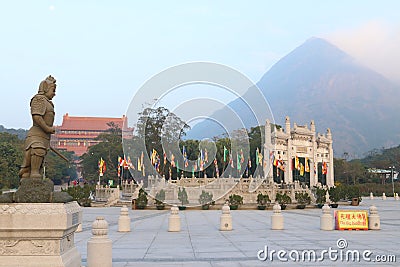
{"points": [[277, 218], [374, 221], [124, 221], [226, 218], [99, 246], [326, 222], [174, 220]]}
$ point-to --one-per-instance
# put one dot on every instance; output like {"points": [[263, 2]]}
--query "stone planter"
{"points": [[182, 207], [205, 207], [261, 207], [301, 206], [355, 201], [233, 207]]}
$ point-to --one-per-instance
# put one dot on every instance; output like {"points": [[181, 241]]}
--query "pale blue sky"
{"points": [[101, 52]]}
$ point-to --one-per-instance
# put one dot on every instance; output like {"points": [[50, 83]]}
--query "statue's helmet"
{"points": [[44, 85]]}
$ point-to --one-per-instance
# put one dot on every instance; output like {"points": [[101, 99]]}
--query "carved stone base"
{"points": [[39, 234]]}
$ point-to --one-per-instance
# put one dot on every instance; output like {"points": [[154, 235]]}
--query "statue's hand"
{"points": [[52, 130]]}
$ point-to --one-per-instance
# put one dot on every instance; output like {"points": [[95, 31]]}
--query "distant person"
{"points": [[37, 141]]}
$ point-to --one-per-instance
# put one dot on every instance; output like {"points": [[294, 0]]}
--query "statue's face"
{"points": [[51, 92]]}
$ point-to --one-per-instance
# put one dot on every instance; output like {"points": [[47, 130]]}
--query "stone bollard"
{"points": [[174, 220], [99, 246], [374, 221], [371, 196], [124, 221], [383, 196], [277, 218], [226, 218], [326, 222], [396, 196]]}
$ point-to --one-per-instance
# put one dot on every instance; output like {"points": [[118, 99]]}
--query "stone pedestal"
{"points": [[39, 234], [383, 196], [371, 196]]}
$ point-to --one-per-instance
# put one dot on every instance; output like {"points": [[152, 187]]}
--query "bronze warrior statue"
{"points": [[37, 141]]}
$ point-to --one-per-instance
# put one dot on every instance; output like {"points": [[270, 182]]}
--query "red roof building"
{"points": [[77, 134]]}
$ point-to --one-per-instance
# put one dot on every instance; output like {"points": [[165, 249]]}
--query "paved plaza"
{"points": [[200, 243]]}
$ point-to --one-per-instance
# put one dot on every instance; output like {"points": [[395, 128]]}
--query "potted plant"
{"points": [[302, 199], [205, 199], [334, 196], [263, 201], [141, 201], [235, 201], [283, 200], [160, 197], [320, 194], [183, 198]]}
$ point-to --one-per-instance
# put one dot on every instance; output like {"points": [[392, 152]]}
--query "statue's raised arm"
{"points": [[37, 141]]}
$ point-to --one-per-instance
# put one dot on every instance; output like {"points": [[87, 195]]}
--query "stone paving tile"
{"points": [[200, 243]]}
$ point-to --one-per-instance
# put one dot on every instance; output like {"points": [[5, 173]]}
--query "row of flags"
{"points": [[125, 163]]}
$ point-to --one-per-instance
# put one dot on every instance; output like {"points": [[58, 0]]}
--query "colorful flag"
{"points": [[241, 156], [239, 165], [296, 163], [185, 160], [102, 166], [231, 160], [216, 167], [301, 169], [257, 152], [307, 167], [260, 158], [324, 168], [225, 153], [205, 155], [154, 157], [119, 166], [172, 160], [139, 165]]}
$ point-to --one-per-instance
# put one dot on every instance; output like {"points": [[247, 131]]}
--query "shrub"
{"points": [[81, 194], [235, 200], [141, 201], [263, 199], [303, 198], [283, 199], [205, 197], [182, 196], [160, 197]]}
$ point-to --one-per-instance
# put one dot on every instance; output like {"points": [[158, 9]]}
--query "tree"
{"points": [[158, 126], [10, 160], [57, 169], [108, 149], [154, 124]]}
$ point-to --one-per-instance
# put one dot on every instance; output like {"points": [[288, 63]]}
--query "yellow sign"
{"points": [[351, 219]]}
